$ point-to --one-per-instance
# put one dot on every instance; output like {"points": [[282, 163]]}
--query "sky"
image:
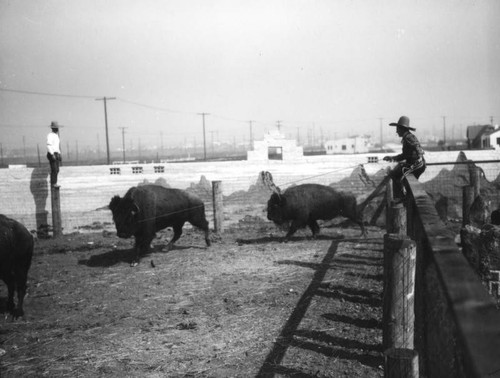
{"points": [[315, 68]]}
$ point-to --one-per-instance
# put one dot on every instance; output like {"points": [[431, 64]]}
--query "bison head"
{"points": [[125, 215], [276, 209]]}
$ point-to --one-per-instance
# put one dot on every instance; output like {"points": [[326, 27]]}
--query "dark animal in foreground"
{"points": [[16, 252], [147, 209], [303, 205]]}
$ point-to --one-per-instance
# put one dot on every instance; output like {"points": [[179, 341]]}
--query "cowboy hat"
{"points": [[55, 125], [404, 122]]}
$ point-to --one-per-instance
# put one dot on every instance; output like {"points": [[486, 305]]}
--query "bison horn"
{"points": [[102, 208]]}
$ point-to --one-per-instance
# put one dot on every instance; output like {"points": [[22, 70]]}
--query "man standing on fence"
{"points": [[54, 153], [411, 160]]}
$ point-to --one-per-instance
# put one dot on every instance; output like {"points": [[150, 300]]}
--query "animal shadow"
{"points": [[107, 259], [117, 256]]}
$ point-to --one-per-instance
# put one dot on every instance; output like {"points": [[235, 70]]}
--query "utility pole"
{"points": [[38, 152], [212, 139], [204, 136], [76, 151], [491, 120], [381, 134], [105, 99], [24, 149], [123, 142], [444, 131], [251, 135], [278, 125]]}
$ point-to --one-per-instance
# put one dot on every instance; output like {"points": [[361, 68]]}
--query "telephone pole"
{"points": [[381, 134], [105, 99], [123, 142], [204, 136], [444, 131], [251, 135]]}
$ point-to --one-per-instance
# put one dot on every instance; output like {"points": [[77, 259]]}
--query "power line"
{"points": [[43, 93]]}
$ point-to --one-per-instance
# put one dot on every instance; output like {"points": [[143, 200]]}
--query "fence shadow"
{"points": [[40, 190], [309, 340]]}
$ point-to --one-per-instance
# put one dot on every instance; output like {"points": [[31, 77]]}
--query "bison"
{"points": [[16, 252], [147, 209], [303, 205]]}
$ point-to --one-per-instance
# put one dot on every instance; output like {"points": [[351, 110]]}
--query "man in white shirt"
{"points": [[54, 152]]}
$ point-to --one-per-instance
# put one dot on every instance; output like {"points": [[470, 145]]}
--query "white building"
{"points": [[494, 138], [353, 145], [275, 147]]}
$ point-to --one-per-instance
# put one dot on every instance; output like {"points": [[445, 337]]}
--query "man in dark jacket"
{"points": [[411, 160]]}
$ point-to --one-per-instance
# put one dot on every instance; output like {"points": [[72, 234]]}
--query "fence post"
{"points": [[389, 197], [400, 363], [218, 206], [475, 181], [467, 200], [400, 253], [56, 211], [396, 220]]}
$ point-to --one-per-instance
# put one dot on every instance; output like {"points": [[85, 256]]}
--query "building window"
{"points": [[372, 159], [275, 153], [344, 147], [115, 171], [137, 170], [159, 169]]}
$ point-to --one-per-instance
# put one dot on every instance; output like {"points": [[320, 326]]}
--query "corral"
{"points": [[248, 306]]}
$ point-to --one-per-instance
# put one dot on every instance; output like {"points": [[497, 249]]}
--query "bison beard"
{"points": [[303, 205], [16, 252], [147, 209]]}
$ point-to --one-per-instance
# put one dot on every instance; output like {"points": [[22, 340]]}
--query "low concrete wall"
{"points": [[457, 322]]}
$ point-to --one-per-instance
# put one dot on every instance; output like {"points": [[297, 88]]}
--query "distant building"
{"points": [[479, 137], [495, 139], [352, 145], [275, 147]]}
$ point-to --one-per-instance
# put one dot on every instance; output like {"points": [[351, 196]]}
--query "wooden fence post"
{"points": [[400, 253], [218, 206], [389, 197], [475, 181], [396, 220], [467, 201], [400, 363], [56, 212]]}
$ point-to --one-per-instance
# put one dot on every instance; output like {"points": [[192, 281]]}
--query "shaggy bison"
{"points": [[303, 205], [147, 209], [16, 252]]}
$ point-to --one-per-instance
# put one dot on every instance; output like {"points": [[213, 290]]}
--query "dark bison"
{"points": [[303, 205], [147, 209], [16, 252]]}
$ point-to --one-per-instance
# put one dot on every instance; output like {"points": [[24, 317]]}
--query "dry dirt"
{"points": [[248, 306]]}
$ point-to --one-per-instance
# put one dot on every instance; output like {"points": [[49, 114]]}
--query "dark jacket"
{"points": [[412, 151]]}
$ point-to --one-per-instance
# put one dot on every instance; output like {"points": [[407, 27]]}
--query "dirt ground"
{"points": [[248, 306]]}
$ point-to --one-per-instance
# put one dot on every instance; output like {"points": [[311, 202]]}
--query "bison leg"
{"points": [[141, 248], [294, 226], [21, 292], [177, 234], [313, 225], [11, 287], [202, 224]]}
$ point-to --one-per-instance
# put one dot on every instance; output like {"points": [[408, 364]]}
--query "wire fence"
{"points": [[26, 192]]}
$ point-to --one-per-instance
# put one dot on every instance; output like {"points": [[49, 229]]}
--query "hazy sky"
{"points": [[325, 66]]}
